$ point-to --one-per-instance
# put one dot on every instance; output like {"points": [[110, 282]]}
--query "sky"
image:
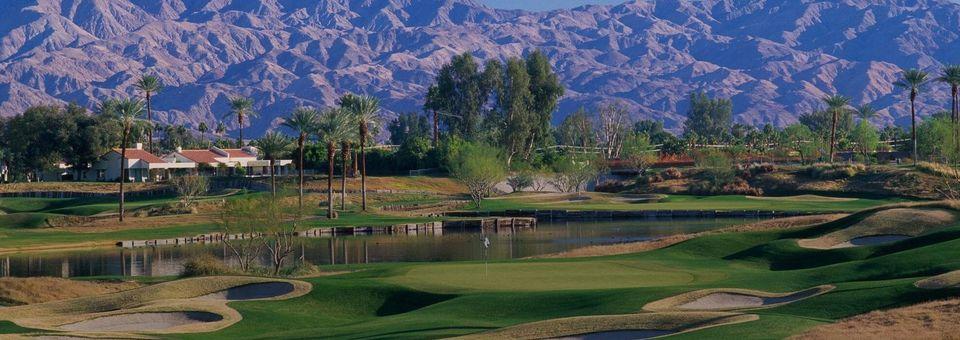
{"points": [[537, 5]]}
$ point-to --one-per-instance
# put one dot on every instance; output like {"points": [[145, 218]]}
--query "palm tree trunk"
{"points": [[913, 124], [330, 152], [345, 150], [363, 166], [123, 159], [300, 144], [150, 120], [273, 180], [833, 135], [240, 139]]}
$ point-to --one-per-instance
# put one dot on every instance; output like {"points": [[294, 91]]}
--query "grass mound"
{"points": [[803, 198], [885, 225], [672, 323], [946, 280], [931, 320], [732, 299], [23, 291]]}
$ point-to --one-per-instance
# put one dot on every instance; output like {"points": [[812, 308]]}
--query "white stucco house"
{"points": [[215, 160], [140, 165]]}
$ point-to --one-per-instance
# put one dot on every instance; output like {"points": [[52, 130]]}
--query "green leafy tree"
{"points": [[708, 118], [639, 152], [803, 141], [546, 91], [865, 138], [576, 130], [365, 112], [573, 171], [128, 111], [516, 120], [273, 146], [242, 109], [913, 81], [149, 85], [303, 122], [936, 140], [479, 168], [459, 95], [408, 126]]}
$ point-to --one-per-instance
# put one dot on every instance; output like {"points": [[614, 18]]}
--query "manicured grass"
{"points": [[685, 202]]}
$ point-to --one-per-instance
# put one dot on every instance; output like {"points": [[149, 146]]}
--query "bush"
{"points": [[672, 173], [520, 181], [205, 265], [835, 171], [937, 169]]}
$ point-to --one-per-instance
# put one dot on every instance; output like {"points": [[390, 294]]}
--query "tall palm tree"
{"points": [[333, 126], [836, 105], [951, 75], [913, 81], [364, 111], [241, 107], [303, 121], [203, 128], [127, 111], [149, 85], [866, 112], [273, 145], [220, 129]]}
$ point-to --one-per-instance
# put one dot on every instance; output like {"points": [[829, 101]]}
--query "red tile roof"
{"points": [[201, 156], [239, 153], [142, 155]]}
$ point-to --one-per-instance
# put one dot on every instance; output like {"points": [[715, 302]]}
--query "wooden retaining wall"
{"points": [[493, 224], [632, 214]]}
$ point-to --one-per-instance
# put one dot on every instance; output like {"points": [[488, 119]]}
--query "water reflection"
{"points": [[450, 245]]}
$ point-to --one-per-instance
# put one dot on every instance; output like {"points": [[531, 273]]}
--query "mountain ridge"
{"points": [[774, 58]]}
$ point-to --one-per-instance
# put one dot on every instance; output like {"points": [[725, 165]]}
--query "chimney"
{"points": [[179, 149], [139, 146]]}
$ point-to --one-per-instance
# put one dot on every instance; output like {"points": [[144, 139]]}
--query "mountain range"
{"points": [[775, 58]]}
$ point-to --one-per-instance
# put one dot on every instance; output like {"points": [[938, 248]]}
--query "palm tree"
{"points": [[363, 110], [272, 146], [127, 112], [836, 105], [303, 121], [333, 126], [203, 128], [149, 85], [951, 76], [866, 112], [220, 129], [913, 80], [241, 107]]}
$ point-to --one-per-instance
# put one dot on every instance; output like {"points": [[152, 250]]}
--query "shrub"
{"points": [[520, 181], [205, 265], [835, 171], [610, 186], [672, 173], [937, 169]]}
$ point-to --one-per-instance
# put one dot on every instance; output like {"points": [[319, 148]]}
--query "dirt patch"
{"points": [[909, 222], [946, 280], [23, 291], [139, 322], [604, 324], [642, 246], [732, 299], [931, 320]]}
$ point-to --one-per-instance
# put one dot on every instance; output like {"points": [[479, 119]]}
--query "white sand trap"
{"points": [[139, 322], [253, 291], [620, 335], [884, 226], [874, 240], [945, 280], [731, 299]]}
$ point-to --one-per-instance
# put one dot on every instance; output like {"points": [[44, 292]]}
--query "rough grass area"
{"points": [[80, 187], [945, 280], [732, 299], [931, 320], [23, 291], [438, 185], [910, 222], [564, 327]]}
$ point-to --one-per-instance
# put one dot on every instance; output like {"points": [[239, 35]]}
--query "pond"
{"points": [[452, 245]]}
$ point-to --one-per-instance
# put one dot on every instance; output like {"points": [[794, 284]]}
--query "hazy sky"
{"points": [[544, 4]]}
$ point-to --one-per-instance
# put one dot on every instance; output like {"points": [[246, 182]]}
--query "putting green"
{"points": [[549, 276]]}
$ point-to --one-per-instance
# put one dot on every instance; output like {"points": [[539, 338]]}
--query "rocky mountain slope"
{"points": [[775, 58]]}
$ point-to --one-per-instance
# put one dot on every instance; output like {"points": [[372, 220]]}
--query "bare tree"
{"points": [[611, 129], [236, 220], [189, 188], [280, 241]]}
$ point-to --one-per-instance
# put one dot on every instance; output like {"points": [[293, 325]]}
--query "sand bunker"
{"points": [[731, 299], [626, 326], [946, 280], [138, 322], [254, 291], [804, 198], [885, 226]]}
